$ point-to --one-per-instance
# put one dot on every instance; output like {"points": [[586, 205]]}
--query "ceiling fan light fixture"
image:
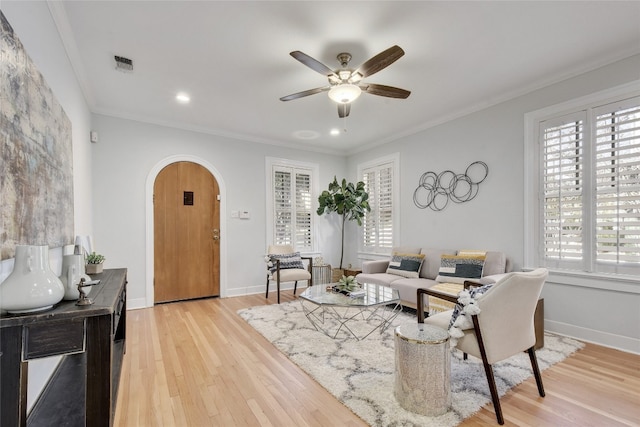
{"points": [[355, 77], [344, 93]]}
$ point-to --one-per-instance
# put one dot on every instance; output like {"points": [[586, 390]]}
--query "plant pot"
{"points": [[94, 268], [336, 274]]}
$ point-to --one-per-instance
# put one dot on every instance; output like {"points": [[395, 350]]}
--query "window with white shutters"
{"points": [[283, 208], [378, 224], [590, 189], [562, 177], [617, 184], [290, 204], [303, 210]]}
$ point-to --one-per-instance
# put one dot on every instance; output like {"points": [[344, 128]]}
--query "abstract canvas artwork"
{"points": [[36, 158]]}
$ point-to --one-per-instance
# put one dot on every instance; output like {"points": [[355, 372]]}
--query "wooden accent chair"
{"points": [[503, 327], [283, 272]]}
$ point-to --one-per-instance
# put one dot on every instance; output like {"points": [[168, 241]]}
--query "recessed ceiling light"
{"points": [[335, 132], [306, 134], [183, 98]]}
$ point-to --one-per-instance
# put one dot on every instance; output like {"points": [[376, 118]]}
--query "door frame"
{"points": [[150, 238]]}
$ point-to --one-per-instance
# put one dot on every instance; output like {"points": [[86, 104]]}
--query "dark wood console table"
{"points": [[83, 389]]}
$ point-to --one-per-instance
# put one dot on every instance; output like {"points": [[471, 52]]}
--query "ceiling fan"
{"points": [[345, 84]]}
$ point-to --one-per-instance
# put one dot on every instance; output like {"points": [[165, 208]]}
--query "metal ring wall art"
{"points": [[435, 190]]}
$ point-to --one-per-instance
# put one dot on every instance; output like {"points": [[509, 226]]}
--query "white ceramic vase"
{"points": [[31, 286], [72, 272]]}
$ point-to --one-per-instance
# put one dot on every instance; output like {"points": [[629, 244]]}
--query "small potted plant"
{"points": [[94, 263]]}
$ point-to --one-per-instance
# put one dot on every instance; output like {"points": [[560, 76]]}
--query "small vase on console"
{"points": [[31, 286], [72, 272]]}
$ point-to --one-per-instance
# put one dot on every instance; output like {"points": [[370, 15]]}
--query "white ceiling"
{"points": [[233, 59]]}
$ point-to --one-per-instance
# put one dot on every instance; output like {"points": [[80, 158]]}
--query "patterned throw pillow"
{"points": [[471, 252], [457, 269], [467, 298], [287, 261], [405, 265]]}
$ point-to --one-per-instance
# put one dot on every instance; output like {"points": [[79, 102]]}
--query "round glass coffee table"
{"points": [[331, 312]]}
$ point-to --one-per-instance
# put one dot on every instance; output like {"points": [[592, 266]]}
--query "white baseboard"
{"points": [[138, 303], [252, 290], [619, 342]]}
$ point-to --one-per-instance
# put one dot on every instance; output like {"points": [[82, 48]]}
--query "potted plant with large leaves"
{"points": [[349, 201]]}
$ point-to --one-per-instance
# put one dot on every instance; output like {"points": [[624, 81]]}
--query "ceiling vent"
{"points": [[123, 64]]}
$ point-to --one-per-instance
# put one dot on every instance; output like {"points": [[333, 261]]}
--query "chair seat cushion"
{"points": [[377, 278], [292, 275]]}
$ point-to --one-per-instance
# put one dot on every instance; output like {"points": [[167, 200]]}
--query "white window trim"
{"points": [[395, 160], [270, 162], [531, 185]]}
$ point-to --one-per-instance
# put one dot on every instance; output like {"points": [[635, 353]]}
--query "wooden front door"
{"points": [[186, 213]]}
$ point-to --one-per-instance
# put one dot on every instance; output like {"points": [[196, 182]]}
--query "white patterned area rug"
{"points": [[361, 373]]}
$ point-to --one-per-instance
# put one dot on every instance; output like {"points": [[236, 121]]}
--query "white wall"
{"points": [[34, 26], [494, 219], [129, 150]]}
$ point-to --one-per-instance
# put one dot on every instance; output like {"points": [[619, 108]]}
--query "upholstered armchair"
{"points": [[286, 266], [499, 322]]}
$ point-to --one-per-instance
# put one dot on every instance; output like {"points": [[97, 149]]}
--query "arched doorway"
{"points": [[187, 233]]}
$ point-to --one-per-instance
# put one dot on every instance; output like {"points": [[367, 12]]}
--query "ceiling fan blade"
{"points": [[388, 91], [314, 64], [344, 110], [380, 61], [305, 93]]}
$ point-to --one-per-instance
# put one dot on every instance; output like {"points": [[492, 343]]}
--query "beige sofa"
{"points": [[495, 265]]}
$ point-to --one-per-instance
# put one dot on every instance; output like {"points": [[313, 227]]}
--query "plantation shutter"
{"points": [[370, 235], [292, 208], [378, 223], [283, 209], [303, 211], [562, 190], [617, 184], [385, 209]]}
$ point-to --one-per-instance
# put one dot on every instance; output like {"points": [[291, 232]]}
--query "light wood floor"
{"points": [[198, 363]]}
